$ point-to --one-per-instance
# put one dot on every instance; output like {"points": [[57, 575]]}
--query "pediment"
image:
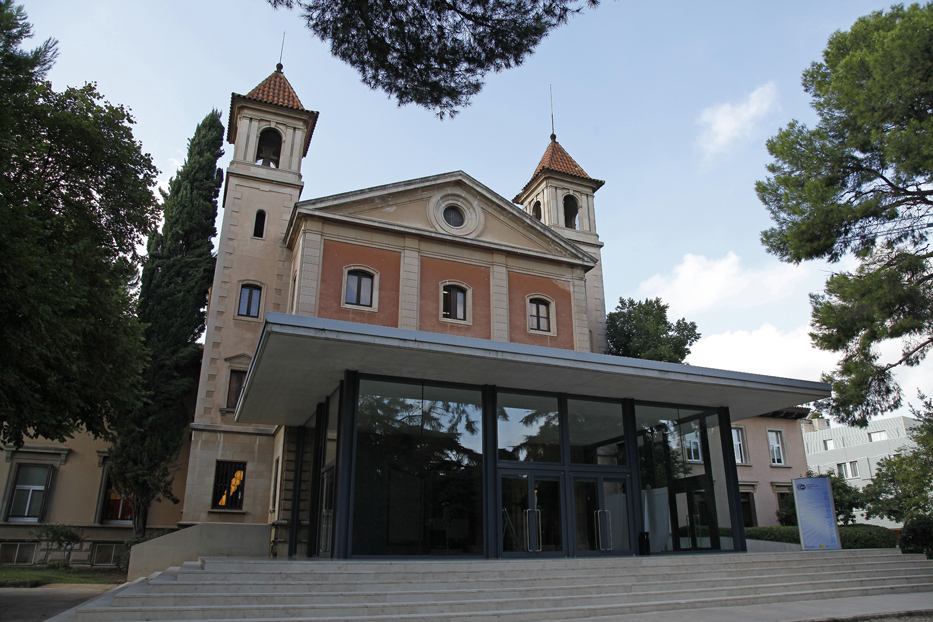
{"points": [[420, 204], [239, 360]]}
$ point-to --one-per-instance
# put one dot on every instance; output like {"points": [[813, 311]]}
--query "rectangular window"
{"points": [[842, 470], [229, 480], [776, 445], [105, 553], [455, 305], [117, 507], [738, 444], [275, 486], [19, 553], [237, 379], [874, 437], [692, 447], [528, 427], [829, 444], [539, 315], [749, 515], [249, 300], [597, 432], [853, 469], [29, 493], [359, 288]]}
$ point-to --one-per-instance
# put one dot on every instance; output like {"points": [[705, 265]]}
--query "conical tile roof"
{"points": [[276, 90], [556, 159]]}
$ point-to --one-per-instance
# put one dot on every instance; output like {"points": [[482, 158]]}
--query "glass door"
{"points": [[601, 515], [531, 516]]}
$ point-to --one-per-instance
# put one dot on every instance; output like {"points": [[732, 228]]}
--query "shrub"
{"points": [[917, 536], [122, 557], [773, 534], [65, 538], [867, 537]]}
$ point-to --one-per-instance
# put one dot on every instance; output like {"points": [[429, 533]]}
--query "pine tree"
{"points": [[176, 280]]}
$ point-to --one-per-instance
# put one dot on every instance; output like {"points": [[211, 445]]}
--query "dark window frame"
{"points": [[449, 309], [535, 305], [235, 386], [253, 300], [46, 493], [228, 488], [360, 275]]}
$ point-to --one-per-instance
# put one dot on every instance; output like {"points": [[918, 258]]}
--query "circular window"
{"points": [[453, 216]]}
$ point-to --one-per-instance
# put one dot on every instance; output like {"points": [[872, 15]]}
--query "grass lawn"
{"points": [[62, 575]]}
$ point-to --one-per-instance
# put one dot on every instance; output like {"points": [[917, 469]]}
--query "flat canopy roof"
{"points": [[301, 360]]}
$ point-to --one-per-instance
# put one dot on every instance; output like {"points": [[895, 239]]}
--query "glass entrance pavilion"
{"points": [[424, 445]]}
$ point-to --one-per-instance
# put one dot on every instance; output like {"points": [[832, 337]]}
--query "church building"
{"points": [[419, 369]]}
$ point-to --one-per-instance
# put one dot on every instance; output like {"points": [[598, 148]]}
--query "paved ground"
{"points": [[36, 604]]}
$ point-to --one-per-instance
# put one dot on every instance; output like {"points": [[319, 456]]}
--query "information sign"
{"points": [[816, 514]]}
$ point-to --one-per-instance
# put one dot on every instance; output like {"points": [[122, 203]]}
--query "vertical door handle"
{"points": [[540, 531], [527, 531], [599, 532]]}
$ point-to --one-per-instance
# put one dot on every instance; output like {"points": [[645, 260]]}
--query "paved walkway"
{"points": [[37, 604]]}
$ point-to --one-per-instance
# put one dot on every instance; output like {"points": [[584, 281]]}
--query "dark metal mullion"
{"points": [[343, 503], [319, 447], [732, 481], [637, 514], [295, 519], [713, 512], [491, 538]]}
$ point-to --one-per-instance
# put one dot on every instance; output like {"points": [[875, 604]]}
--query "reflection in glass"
{"points": [[549, 535], [586, 512], [597, 434], [418, 486], [528, 427], [514, 528], [682, 471], [615, 517]]}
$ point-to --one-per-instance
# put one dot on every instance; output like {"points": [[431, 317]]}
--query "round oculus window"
{"points": [[453, 216]]}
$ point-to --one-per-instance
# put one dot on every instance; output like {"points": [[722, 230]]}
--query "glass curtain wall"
{"points": [[419, 455], [683, 485]]}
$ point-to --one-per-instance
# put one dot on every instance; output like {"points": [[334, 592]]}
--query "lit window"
{"points": [[237, 379], [539, 315], [455, 303], [29, 492], [249, 300], [829, 444], [359, 288], [738, 444], [692, 450], [259, 225], [229, 480], [874, 437], [776, 445], [117, 506]]}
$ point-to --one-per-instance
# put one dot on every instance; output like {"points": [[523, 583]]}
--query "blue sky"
{"points": [[669, 102]]}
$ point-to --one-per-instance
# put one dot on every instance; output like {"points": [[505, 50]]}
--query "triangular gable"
{"points": [[410, 204]]}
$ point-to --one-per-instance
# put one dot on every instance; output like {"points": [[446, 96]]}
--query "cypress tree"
{"points": [[176, 279]]}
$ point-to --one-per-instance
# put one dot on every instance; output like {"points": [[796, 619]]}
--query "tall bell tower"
{"points": [[270, 132], [561, 195]]}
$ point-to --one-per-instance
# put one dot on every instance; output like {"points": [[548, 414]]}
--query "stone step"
{"points": [[765, 575], [489, 611], [323, 574], [467, 597]]}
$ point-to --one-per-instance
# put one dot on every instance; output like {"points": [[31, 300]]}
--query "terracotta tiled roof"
{"points": [[276, 90], [556, 159]]}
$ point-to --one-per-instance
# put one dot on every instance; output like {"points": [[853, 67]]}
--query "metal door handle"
{"points": [[527, 531], [599, 531], [540, 532]]}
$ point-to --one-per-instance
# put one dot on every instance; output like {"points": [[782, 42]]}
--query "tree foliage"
{"points": [[75, 200], [176, 279], [860, 182], [434, 53], [641, 330], [902, 487]]}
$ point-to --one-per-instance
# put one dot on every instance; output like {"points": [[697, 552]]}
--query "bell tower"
{"points": [[270, 131], [561, 195]]}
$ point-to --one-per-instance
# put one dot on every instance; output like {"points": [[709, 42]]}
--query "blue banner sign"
{"points": [[816, 514]]}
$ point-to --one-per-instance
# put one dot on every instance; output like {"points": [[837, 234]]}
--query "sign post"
{"points": [[816, 514]]}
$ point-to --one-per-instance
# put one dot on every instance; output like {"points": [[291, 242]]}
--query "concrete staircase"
{"points": [[263, 590]]}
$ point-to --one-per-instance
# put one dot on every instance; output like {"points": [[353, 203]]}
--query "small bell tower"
{"points": [[561, 195]]}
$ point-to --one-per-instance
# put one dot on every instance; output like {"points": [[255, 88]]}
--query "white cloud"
{"points": [[766, 350], [699, 284], [727, 123]]}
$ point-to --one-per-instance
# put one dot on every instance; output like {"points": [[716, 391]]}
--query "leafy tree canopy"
{"points": [[902, 488], [176, 280], [860, 182], [75, 200], [641, 330], [432, 53], [846, 497]]}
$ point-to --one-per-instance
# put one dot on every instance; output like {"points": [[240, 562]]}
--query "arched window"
{"points": [[270, 148], [539, 315], [359, 288], [455, 303], [570, 212], [536, 210], [259, 226]]}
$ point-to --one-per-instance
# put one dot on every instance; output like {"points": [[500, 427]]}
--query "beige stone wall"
{"points": [[758, 475]]}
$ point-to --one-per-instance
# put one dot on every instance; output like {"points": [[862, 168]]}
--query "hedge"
{"points": [[852, 536]]}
